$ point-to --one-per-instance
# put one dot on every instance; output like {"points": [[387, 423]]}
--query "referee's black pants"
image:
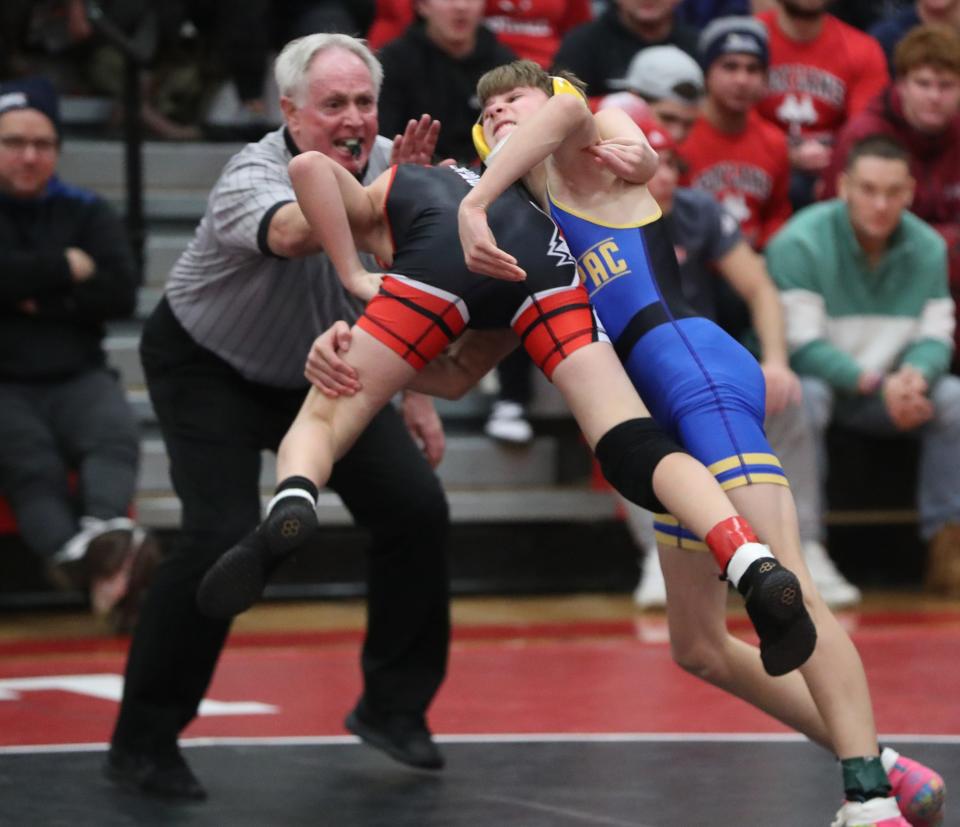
{"points": [[215, 425]]}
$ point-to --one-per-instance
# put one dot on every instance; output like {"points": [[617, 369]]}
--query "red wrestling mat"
{"points": [[576, 678]]}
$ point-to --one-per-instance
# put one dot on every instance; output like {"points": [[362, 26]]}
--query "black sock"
{"points": [[294, 483]]}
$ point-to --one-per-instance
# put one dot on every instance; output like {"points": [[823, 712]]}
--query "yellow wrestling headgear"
{"points": [[561, 86]]}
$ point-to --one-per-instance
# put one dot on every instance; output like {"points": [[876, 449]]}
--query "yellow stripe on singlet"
{"points": [[657, 213], [751, 478], [743, 459], [673, 541]]}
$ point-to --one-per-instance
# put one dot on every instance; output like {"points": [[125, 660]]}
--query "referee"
{"points": [[223, 354]]}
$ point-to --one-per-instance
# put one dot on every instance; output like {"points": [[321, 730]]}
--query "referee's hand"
{"points": [[417, 143], [325, 369], [424, 425]]}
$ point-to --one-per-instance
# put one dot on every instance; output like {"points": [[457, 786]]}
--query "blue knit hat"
{"points": [[733, 35], [31, 93]]}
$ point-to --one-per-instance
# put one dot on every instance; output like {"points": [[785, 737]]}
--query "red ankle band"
{"points": [[726, 537]]}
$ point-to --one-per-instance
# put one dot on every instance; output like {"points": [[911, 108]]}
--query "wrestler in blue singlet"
{"points": [[701, 386]]}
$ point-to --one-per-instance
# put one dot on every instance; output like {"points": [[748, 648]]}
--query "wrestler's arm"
{"points": [[623, 148], [449, 376], [562, 118], [464, 363], [338, 208]]}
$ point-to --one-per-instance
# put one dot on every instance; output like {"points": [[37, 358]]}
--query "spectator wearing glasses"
{"points": [[67, 268]]}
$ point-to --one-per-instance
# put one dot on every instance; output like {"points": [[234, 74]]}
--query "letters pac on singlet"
{"points": [[602, 263]]}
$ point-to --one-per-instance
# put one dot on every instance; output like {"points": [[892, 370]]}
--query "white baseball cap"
{"points": [[663, 73]]}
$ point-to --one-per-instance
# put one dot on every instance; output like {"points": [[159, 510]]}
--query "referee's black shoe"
{"points": [[405, 738], [162, 775], [774, 602], [237, 580]]}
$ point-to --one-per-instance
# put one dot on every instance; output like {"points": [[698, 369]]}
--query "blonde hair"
{"points": [[293, 63], [522, 73]]}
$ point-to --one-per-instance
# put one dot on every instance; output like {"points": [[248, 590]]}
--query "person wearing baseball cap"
{"points": [[667, 79]]}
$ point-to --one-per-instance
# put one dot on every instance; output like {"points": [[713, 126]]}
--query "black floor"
{"points": [[544, 784]]}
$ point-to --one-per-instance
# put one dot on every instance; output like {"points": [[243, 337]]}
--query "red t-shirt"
{"points": [[748, 172], [390, 21], [815, 86], [533, 28]]}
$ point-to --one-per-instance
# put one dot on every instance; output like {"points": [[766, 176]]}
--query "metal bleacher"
{"points": [[486, 483]]}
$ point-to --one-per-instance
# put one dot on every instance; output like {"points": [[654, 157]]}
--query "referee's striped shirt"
{"points": [[257, 311]]}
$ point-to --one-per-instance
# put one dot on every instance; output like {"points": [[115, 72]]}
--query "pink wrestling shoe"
{"points": [[877, 812], [919, 790]]}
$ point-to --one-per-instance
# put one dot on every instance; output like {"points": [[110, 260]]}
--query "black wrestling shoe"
{"points": [[774, 602], [166, 776], [401, 737], [237, 580]]}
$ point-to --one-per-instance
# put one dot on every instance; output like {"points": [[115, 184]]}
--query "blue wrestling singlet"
{"points": [[701, 386]]}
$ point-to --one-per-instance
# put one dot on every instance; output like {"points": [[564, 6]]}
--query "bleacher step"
{"points": [[541, 504], [469, 462], [189, 166], [162, 252]]}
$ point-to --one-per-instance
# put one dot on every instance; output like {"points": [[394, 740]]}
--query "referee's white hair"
{"points": [[293, 63]]}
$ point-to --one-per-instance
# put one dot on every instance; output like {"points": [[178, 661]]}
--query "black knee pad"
{"points": [[628, 453]]}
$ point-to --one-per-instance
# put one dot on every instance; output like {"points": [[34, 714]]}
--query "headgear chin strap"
{"points": [[561, 86]]}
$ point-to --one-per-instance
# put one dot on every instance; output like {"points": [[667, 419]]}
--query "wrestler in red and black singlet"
{"points": [[429, 297]]}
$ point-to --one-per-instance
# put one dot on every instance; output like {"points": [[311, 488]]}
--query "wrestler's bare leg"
{"points": [[322, 432]]}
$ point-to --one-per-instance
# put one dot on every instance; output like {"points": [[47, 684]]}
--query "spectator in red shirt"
{"points": [[822, 73], [390, 21], [731, 151], [532, 29], [921, 110]]}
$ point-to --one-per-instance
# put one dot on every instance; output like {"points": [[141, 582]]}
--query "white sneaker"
{"points": [[651, 591], [76, 547], [836, 591], [98, 549], [508, 423]]}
